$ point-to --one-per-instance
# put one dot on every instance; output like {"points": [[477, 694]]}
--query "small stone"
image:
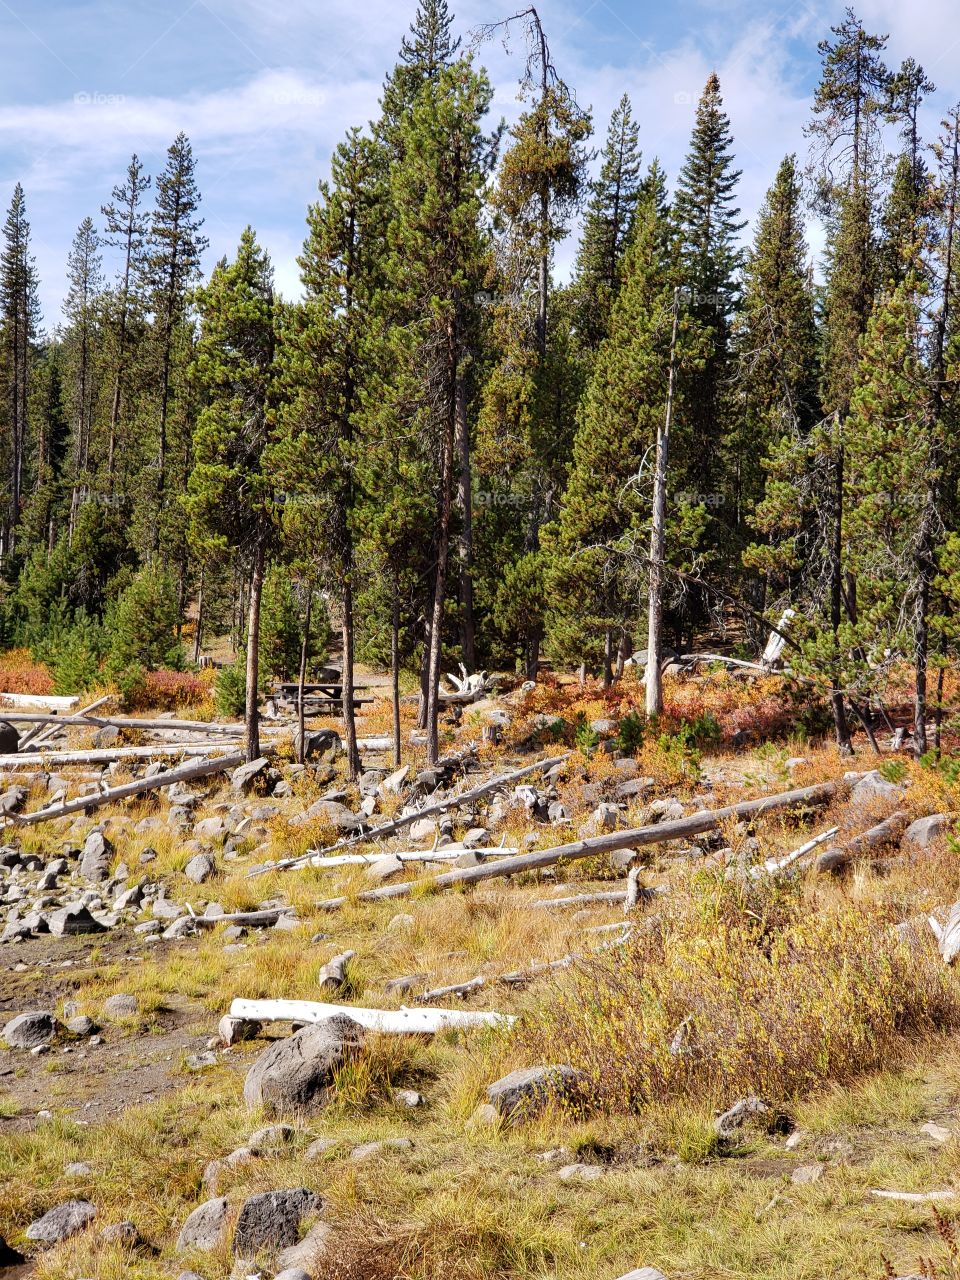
{"points": [[383, 869], [807, 1173], [81, 1026], [77, 1170], [292, 1273], [581, 1172], [204, 1227], [319, 1147], [96, 857], [62, 1222], [367, 1149], [124, 1233], [270, 1138], [936, 1131], [485, 1116], [924, 832], [408, 1098], [233, 1030], [121, 1006], [873, 787], [246, 776], [738, 1115], [200, 1061]]}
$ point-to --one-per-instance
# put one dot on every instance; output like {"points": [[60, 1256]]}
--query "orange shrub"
{"points": [[19, 673], [165, 690]]}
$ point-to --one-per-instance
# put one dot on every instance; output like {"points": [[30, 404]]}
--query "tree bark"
{"points": [[468, 642], [304, 652], [439, 590], [658, 537], [198, 639], [349, 718], [395, 671], [252, 717]]}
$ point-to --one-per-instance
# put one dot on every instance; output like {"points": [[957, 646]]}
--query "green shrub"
{"points": [[143, 624], [230, 690]]}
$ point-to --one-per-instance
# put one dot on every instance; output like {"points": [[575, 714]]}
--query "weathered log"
{"points": [[253, 919], [581, 899], [884, 833], [57, 759], [455, 989], [388, 1021], [86, 718], [948, 935], [186, 773], [661, 833], [449, 853], [58, 701], [398, 824], [914, 1197], [774, 865], [333, 975], [40, 734]]}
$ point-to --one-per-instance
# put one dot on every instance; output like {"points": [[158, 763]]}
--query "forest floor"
{"points": [[798, 988]]}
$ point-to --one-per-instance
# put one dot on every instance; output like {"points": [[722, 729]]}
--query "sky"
{"points": [[266, 88]]}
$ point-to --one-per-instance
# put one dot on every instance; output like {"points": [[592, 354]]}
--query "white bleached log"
{"points": [[42, 700], [948, 935], [773, 865], [57, 759], [449, 853], [387, 1021], [914, 1197], [39, 734]]}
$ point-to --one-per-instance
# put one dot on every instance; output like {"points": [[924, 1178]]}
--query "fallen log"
{"points": [[662, 832], [398, 824], [186, 773], [914, 1197], [774, 865], [387, 1021], [449, 853], [51, 700], [884, 833], [947, 935], [253, 919], [86, 718], [57, 759], [41, 734]]}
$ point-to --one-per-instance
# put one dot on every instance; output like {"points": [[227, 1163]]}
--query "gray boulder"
{"points": [[96, 857], [737, 1116], [272, 1220], [247, 775], [296, 1073], [873, 787], [74, 919], [62, 1222], [27, 1030], [203, 1229], [922, 833], [525, 1092], [200, 868]]}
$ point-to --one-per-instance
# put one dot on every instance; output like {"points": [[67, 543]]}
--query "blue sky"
{"points": [[265, 88]]}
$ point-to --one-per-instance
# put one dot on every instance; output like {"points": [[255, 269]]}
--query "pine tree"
{"points": [[126, 226], [20, 313], [593, 590], [708, 224], [84, 281], [776, 341], [606, 227], [424, 53], [230, 490], [172, 268], [325, 374], [436, 259]]}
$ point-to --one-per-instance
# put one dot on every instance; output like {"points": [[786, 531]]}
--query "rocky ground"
{"points": [[143, 1132]]}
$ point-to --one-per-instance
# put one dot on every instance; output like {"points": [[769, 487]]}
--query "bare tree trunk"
{"points": [[424, 675], [395, 672], [938, 713], [198, 638], [658, 536], [443, 552], [836, 598], [468, 643], [608, 658], [304, 653], [349, 718], [253, 657]]}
